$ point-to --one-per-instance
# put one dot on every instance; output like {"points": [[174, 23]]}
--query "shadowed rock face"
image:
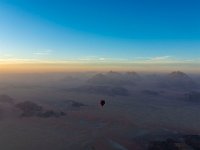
{"points": [[178, 74], [169, 144], [193, 141], [178, 80], [30, 109], [115, 78], [99, 79], [185, 142], [113, 74]]}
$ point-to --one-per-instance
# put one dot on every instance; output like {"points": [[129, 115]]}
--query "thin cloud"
{"points": [[43, 52], [7, 55], [93, 59], [18, 60], [162, 58], [103, 60]]}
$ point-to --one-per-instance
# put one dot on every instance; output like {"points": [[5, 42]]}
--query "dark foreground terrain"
{"points": [[62, 111]]}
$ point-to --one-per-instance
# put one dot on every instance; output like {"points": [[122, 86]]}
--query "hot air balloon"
{"points": [[102, 103]]}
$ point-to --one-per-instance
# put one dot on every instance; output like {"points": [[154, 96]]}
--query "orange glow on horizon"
{"points": [[83, 67]]}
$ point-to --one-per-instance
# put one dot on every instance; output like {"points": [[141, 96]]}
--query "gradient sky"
{"points": [[100, 31]]}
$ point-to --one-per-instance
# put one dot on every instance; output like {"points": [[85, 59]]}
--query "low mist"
{"points": [[63, 111]]}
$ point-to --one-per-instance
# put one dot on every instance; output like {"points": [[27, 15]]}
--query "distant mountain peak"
{"points": [[131, 73], [179, 80], [115, 78], [113, 72], [98, 78], [178, 74]]}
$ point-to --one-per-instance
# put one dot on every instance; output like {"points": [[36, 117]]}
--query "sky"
{"points": [[106, 33]]}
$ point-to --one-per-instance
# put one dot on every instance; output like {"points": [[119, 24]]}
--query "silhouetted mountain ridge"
{"points": [[178, 80], [115, 78]]}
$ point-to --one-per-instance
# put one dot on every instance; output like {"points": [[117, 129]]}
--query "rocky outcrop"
{"points": [[115, 78], [185, 142], [31, 109], [178, 80]]}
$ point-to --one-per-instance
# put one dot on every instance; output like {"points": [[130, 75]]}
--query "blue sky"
{"points": [[88, 30]]}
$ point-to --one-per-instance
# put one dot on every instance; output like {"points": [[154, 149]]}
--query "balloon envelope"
{"points": [[102, 103]]}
